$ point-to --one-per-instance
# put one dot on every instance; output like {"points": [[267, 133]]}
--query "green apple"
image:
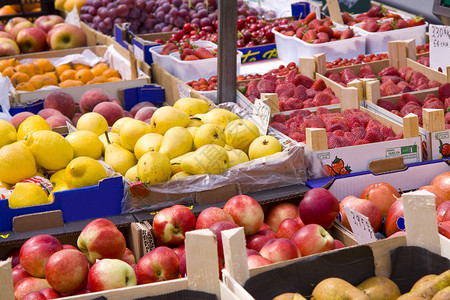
{"points": [[263, 146]]}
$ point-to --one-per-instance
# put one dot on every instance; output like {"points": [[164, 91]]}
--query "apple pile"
{"points": [[349, 128], [296, 91], [20, 35], [45, 269], [381, 200], [409, 103], [393, 81]]}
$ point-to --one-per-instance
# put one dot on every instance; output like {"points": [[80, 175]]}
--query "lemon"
{"points": [[50, 149], [17, 162], [27, 194], [113, 138], [85, 143], [93, 122], [83, 171], [8, 133], [57, 178], [30, 125], [58, 188], [119, 123]]}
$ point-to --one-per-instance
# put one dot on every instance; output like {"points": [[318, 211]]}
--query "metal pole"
{"points": [[226, 62]]}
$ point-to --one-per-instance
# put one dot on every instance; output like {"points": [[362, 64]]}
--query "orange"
{"points": [[24, 69], [25, 86], [67, 74], [80, 66], [4, 63], [111, 73], [52, 75], [98, 79], [61, 68], [112, 79], [99, 69], [44, 64], [19, 77], [9, 71], [34, 69], [84, 75], [70, 82], [14, 62], [7, 10], [38, 81]]}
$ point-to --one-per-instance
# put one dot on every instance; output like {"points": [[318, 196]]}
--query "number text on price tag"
{"points": [[360, 225], [261, 115]]}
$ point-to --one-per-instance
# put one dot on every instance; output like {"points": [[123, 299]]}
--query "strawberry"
{"points": [[327, 30], [361, 142], [299, 112], [347, 34], [389, 71], [416, 21], [314, 24], [286, 89], [371, 26], [434, 83], [191, 57], [185, 52], [390, 88], [324, 110], [350, 136], [447, 118], [414, 81], [447, 104], [309, 17], [298, 136], [322, 37], [309, 35], [401, 23], [406, 87], [386, 132], [359, 132], [203, 53], [337, 34], [444, 91], [387, 105], [365, 71], [308, 104], [376, 12], [294, 103], [321, 99], [372, 136], [300, 93], [294, 122], [279, 126], [333, 76], [300, 31], [403, 70], [433, 103], [169, 48], [334, 142], [386, 26], [395, 79], [304, 80], [319, 85], [279, 118], [266, 85], [347, 75]]}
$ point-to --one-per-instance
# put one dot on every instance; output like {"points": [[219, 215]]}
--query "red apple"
{"points": [[181, 253], [32, 39], [255, 261], [101, 239], [246, 212], [171, 224], [279, 212], [66, 36], [35, 252], [34, 296], [50, 293], [158, 265], [8, 47], [365, 207], [14, 254], [217, 228], [20, 26], [67, 271], [281, 249], [4, 34], [441, 196], [312, 239], [446, 216], [257, 240], [441, 209], [382, 194], [108, 274], [395, 219], [444, 229], [128, 257], [251, 252], [338, 244], [47, 22], [288, 227], [13, 22], [398, 233], [264, 226], [18, 273], [67, 246], [318, 206], [442, 181], [28, 285], [210, 216]]}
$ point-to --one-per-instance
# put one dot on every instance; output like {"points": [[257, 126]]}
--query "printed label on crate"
{"points": [[258, 53], [361, 227], [261, 115], [439, 47], [183, 91], [440, 144]]}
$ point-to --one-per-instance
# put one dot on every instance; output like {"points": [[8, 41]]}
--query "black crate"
{"points": [[47, 8]]}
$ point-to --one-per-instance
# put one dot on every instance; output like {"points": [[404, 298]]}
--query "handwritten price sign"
{"points": [[439, 47], [360, 225], [261, 115]]}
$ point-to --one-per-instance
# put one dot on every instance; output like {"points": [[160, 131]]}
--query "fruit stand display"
{"points": [[126, 175]]}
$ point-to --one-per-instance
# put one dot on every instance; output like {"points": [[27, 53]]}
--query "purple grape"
{"points": [[184, 6], [105, 2], [160, 16], [102, 12], [195, 21], [87, 18], [96, 19], [122, 10], [101, 26], [199, 6], [202, 13], [167, 18], [130, 3], [92, 11], [158, 27], [179, 21], [113, 13], [177, 3], [88, 3], [84, 9], [148, 24], [173, 12], [134, 13], [143, 17], [96, 3], [119, 20], [111, 5], [108, 23], [167, 28], [183, 12], [166, 7], [205, 22], [149, 5]]}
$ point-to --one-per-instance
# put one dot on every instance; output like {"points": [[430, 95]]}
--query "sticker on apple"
{"points": [[261, 115], [360, 224]]}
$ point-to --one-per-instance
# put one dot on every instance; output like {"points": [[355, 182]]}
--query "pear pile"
{"points": [[186, 139]]}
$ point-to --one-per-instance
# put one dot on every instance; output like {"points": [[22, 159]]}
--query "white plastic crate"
{"points": [[286, 47], [163, 60]]}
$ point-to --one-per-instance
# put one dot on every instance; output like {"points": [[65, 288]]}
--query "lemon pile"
{"points": [[35, 149]]}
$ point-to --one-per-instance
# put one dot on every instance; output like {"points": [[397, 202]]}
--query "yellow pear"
{"points": [[167, 117], [177, 141], [209, 134], [180, 175], [119, 123], [208, 159], [176, 162], [131, 132], [192, 106], [113, 138], [119, 158], [195, 122], [192, 131], [263, 146], [148, 142], [217, 117], [240, 134], [154, 167], [236, 157], [131, 174]]}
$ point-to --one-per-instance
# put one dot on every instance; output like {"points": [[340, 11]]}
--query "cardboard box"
{"points": [[84, 203]]}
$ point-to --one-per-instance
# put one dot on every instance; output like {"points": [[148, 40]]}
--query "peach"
{"points": [[75, 118], [19, 118], [140, 105], [48, 112], [126, 113], [111, 111], [145, 113], [115, 100], [58, 120], [91, 98], [62, 102]]}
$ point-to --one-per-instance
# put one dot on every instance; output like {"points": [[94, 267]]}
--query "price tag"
{"points": [[183, 91], [261, 115], [439, 47], [315, 7], [360, 226], [73, 17]]}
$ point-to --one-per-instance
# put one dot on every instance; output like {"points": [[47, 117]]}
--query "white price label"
{"points": [[362, 230], [439, 47], [315, 7], [73, 17], [261, 115], [183, 91]]}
